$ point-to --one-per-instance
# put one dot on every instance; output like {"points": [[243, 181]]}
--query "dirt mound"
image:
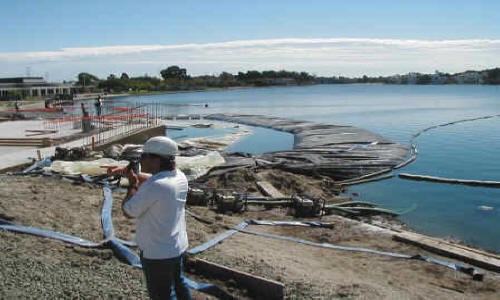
{"points": [[244, 181]]}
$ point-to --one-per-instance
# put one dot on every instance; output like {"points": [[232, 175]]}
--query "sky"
{"points": [[59, 39]]}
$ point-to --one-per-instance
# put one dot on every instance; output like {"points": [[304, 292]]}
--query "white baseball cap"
{"points": [[161, 145]]}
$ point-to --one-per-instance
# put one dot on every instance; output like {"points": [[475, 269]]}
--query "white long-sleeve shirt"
{"points": [[159, 206]]}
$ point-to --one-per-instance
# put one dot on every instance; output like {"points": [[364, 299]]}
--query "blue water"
{"points": [[194, 132], [263, 140], [466, 150], [260, 141]]}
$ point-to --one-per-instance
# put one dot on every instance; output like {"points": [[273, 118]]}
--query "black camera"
{"points": [[133, 165]]}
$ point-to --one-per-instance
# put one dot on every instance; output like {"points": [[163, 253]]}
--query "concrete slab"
{"points": [[17, 129], [14, 156]]}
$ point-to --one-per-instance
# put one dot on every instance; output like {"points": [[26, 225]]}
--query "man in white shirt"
{"points": [[157, 201]]}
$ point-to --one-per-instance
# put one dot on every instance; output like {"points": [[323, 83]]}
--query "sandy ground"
{"points": [[33, 267]]}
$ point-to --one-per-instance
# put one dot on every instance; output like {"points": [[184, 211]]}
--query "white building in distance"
{"points": [[32, 87]]}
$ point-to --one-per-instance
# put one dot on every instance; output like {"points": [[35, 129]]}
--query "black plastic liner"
{"points": [[340, 152]]}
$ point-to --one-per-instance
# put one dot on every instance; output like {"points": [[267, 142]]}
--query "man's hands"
{"points": [[127, 172], [134, 178], [116, 170]]}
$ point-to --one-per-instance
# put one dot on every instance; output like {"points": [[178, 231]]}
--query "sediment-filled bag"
{"points": [[84, 167], [199, 165], [193, 166]]}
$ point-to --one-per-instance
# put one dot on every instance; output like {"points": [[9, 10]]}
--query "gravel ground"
{"points": [[40, 268]]}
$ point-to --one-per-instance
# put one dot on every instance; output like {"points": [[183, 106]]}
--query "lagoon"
{"points": [[466, 150]]}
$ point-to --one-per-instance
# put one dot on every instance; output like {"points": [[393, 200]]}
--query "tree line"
{"points": [[175, 78], [489, 76]]}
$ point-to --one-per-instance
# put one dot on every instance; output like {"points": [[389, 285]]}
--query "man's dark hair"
{"points": [[167, 163]]}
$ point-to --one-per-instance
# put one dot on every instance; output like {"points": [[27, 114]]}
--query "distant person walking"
{"points": [[86, 123], [98, 106], [158, 202], [16, 105]]}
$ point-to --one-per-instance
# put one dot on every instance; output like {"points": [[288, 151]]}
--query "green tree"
{"points": [[449, 79], [14, 95], [174, 72], [225, 76], [253, 75], [85, 79], [141, 85], [269, 74], [424, 79], [304, 76], [493, 76], [113, 85]]}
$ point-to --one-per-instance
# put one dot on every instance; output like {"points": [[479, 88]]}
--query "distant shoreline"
{"points": [[148, 93], [35, 103]]}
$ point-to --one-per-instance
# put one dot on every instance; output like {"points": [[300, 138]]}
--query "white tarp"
{"points": [[218, 142], [199, 165], [193, 166], [84, 167]]}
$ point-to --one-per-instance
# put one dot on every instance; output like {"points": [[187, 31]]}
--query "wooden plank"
{"points": [[259, 287], [475, 250], [269, 190], [28, 142], [476, 257], [19, 141], [20, 145], [41, 130], [27, 139], [32, 140], [38, 132]]}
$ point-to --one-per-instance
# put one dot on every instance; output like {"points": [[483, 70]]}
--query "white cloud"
{"points": [[323, 56]]}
